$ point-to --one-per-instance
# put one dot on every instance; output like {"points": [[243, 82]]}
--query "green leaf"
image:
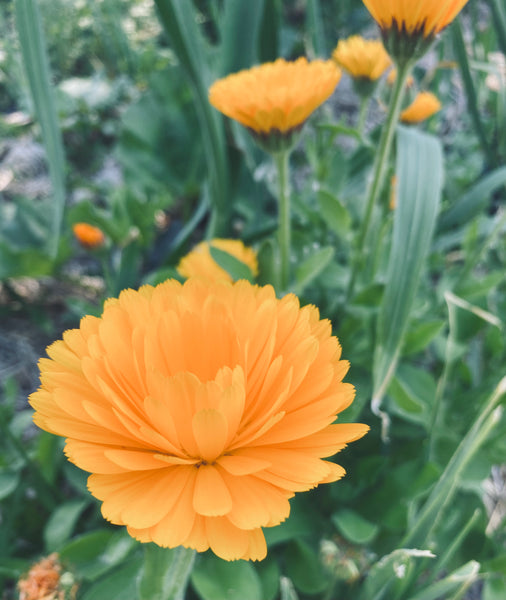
{"points": [[412, 391], [119, 583], [474, 201], [312, 267], [232, 265], [419, 171], [421, 335], [389, 574], [179, 21], [239, 28], [216, 579], [334, 212], [165, 572], [61, 524], [93, 554], [495, 589], [269, 574], [354, 527], [461, 578], [35, 61], [304, 568], [9, 481]]}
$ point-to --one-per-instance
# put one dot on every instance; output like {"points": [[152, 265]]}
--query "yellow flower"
{"points": [[427, 17], [423, 106], [275, 99], [362, 58], [408, 27], [200, 409], [200, 263], [88, 235]]}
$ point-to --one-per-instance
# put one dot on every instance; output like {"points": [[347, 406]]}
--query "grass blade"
{"points": [[444, 490], [472, 99], [179, 22], [420, 175], [239, 27], [474, 201], [36, 64], [499, 20]]}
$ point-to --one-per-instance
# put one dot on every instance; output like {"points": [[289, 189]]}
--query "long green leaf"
{"points": [[474, 201], [472, 98], [179, 21], [239, 29], [420, 175], [499, 20], [36, 64], [443, 492]]}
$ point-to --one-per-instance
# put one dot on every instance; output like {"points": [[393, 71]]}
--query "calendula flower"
{"points": [[423, 106], [408, 28], [273, 100], [88, 235], [200, 263], [200, 409], [44, 582], [361, 58]]}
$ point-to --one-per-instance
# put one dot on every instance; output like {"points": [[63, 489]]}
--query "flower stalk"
{"points": [[379, 167], [284, 228]]}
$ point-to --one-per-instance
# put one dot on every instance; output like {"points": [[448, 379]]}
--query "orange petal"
{"points": [[211, 496], [210, 430]]}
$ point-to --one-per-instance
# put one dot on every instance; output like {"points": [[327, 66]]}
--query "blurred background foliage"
{"points": [[105, 120]]}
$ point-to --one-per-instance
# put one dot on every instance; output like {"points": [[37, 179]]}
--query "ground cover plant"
{"points": [[252, 235]]}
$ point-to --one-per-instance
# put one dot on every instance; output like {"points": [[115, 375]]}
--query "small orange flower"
{"points": [[42, 581], [88, 235], [366, 59], [275, 98], [200, 263], [423, 106], [200, 409]]}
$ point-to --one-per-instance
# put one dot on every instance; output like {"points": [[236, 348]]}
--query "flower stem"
{"points": [[379, 167], [284, 227], [362, 115]]}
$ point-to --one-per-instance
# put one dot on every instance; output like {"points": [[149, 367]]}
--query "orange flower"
{"points": [[409, 27], [275, 98], [423, 106], [43, 581], [200, 409], [427, 17], [200, 263], [365, 59], [88, 235]]}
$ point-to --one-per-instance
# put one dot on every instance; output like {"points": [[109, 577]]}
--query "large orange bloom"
{"points": [[275, 97], [199, 409], [412, 16]]}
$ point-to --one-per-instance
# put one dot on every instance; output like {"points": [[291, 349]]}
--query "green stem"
{"points": [[284, 227], [379, 167], [362, 115]]}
